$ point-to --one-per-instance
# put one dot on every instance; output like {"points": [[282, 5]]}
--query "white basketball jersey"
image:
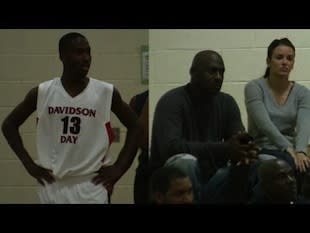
{"points": [[74, 133]]}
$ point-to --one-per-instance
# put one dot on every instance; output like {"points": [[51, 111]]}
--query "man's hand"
{"points": [[108, 176], [40, 173], [242, 148]]}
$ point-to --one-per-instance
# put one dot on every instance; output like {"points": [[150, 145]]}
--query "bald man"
{"points": [[198, 122], [276, 183]]}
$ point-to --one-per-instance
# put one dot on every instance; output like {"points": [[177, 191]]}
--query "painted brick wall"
{"points": [[244, 53]]}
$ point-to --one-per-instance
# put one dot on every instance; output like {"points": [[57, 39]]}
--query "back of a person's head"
{"points": [[162, 178], [65, 40], [277, 181], [269, 168]]}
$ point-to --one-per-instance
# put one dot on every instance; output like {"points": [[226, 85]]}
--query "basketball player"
{"points": [[74, 131]]}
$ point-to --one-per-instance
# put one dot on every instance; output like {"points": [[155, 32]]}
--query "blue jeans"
{"points": [[230, 185], [227, 185]]}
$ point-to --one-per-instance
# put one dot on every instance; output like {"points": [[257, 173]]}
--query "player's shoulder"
{"points": [[100, 87], [46, 86], [50, 82], [99, 82]]}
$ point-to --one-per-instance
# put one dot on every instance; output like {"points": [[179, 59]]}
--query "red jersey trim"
{"points": [[110, 132]]}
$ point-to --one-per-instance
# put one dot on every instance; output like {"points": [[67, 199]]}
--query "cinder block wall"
{"points": [[28, 57], [244, 53]]}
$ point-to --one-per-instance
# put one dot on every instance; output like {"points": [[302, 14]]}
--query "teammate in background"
{"points": [[139, 103], [73, 130]]}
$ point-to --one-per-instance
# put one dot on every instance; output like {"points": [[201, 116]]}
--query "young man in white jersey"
{"points": [[73, 131]]}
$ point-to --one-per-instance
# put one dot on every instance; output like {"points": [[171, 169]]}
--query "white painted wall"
{"points": [[244, 53]]}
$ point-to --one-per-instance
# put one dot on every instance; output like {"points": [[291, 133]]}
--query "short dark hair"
{"points": [[66, 39], [161, 179], [275, 43]]}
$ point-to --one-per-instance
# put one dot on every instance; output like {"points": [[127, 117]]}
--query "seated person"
{"points": [[169, 185], [198, 127], [279, 109]]}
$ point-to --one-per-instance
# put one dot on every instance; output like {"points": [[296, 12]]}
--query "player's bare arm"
{"points": [[109, 175], [10, 129]]}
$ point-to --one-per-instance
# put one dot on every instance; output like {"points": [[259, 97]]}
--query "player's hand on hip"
{"points": [[107, 176], [40, 173]]}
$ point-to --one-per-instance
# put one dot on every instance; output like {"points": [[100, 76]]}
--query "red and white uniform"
{"points": [[73, 133]]}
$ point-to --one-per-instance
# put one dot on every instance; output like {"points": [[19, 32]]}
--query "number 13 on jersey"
{"points": [[73, 125]]}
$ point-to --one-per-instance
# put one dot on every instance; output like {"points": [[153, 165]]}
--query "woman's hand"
{"points": [[302, 162]]}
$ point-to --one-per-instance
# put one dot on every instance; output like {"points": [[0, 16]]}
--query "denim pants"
{"points": [[227, 185], [230, 185]]}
